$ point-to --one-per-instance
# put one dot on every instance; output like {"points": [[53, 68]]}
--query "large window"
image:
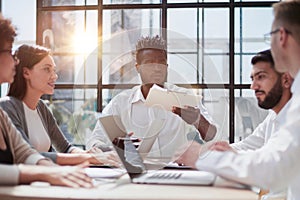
{"points": [[210, 44]]}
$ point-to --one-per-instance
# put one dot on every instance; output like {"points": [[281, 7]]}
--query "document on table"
{"points": [[165, 99], [104, 172]]}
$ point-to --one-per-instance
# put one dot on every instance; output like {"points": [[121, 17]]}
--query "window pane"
{"points": [[211, 55], [46, 3], [248, 115], [243, 69], [23, 17], [131, 1], [195, 1], [249, 30], [70, 31], [256, 0], [121, 30], [216, 102], [76, 69], [72, 36], [249, 40], [177, 22], [182, 68], [75, 112]]}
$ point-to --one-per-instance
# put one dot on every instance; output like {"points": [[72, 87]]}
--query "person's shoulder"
{"points": [[43, 105], [8, 100], [126, 93]]}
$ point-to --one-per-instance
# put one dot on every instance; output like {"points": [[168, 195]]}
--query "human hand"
{"points": [[106, 158], [221, 146], [188, 154], [189, 114], [94, 150], [70, 176]]}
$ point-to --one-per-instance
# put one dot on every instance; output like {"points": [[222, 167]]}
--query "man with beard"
{"points": [[276, 164], [272, 90]]}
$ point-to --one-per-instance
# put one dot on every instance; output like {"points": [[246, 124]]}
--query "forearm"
{"points": [[30, 173], [45, 162], [77, 150], [206, 129], [74, 159]]}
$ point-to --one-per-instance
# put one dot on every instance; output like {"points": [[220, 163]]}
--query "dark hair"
{"points": [[263, 56], [7, 31], [28, 56], [154, 43]]}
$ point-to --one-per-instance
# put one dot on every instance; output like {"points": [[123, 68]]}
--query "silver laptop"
{"points": [[135, 167], [114, 126]]}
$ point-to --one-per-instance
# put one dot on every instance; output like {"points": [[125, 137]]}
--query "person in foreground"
{"points": [[151, 64], [19, 163], [275, 165], [35, 76], [272, 90]]}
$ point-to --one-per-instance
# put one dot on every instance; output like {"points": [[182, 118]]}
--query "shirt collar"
{"points": [[137, 95], [296, 83]]}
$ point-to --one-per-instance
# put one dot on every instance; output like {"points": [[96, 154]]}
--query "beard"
{"points": [[273, 97]]}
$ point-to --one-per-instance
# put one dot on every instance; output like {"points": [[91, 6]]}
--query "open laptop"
{"points": [[136, 169], [114, 126]]}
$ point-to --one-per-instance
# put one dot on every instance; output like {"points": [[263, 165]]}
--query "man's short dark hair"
{"points": [[154, 43], [263, 56]]}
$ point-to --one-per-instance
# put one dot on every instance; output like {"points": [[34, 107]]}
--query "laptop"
{"points": [[114, 126], [136, 169]]}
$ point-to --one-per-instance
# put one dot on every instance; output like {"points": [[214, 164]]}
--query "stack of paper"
{"points": [[165, 99]]}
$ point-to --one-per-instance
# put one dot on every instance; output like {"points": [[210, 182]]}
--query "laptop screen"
{"points": [[129, 156]]}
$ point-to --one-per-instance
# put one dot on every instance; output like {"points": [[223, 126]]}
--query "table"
{"points": [[123, 189]]}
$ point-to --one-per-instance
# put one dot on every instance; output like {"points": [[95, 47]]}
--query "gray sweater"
{"points": [[15, 110], [20, 150]]}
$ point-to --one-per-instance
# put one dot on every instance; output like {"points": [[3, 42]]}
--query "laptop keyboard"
{"points": [[165, 175]]}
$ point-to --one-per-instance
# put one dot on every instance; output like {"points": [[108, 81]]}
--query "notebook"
{"points": [[136, 169]]}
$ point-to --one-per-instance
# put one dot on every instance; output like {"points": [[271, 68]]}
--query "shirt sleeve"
{"points": [[98, 137], [21, 150], [272, 167], [9, 174], [254, 141]]}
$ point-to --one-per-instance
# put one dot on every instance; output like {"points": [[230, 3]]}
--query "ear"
{"points": [[283, 36], [286, 80], [26, 72], [137, 66]]}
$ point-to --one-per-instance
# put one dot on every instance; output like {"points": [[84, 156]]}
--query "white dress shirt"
{"points": [[263, 132], [274, 166], [137, 118]]}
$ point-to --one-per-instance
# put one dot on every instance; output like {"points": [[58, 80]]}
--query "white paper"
{"points": [[95, 172], [165, 99]]}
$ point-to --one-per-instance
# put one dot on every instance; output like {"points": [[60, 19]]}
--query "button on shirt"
{"points": [[137, 118], [274, 166]]}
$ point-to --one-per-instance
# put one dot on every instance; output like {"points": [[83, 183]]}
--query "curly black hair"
{"points": [[7, 31]]}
